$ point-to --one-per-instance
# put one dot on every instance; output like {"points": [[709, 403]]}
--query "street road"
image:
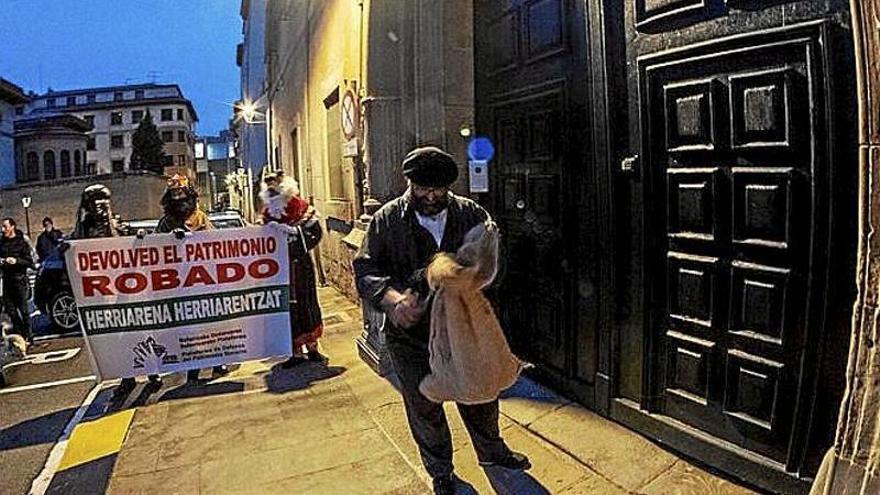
{"points": [[37, 404]]}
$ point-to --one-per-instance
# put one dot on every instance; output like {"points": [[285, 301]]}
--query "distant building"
{"points": [[51, 147], [12, 100], [251, 55], [115, 113], [215, 160]]}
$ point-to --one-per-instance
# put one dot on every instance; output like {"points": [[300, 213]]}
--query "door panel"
{"points": [[529, 63], [734, 145]]}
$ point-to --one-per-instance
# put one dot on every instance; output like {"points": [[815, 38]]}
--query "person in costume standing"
{"points": [[285, 210], [180, 205]]}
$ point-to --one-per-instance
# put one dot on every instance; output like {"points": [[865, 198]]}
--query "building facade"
{"points": [[216, 161], [352, 86], [250, 56], [51, 147], [115, 113], [12, 101]]}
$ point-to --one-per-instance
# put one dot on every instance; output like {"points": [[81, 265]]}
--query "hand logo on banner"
{"points": [[148, 354]]}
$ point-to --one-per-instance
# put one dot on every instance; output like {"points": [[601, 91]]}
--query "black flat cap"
{"points": [[430, 167]]}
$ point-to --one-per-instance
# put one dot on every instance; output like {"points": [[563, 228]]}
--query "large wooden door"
{"points": [[738, 110], [531, 100]]}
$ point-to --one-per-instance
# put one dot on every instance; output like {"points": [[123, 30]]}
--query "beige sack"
{"points": [[470, 359]]}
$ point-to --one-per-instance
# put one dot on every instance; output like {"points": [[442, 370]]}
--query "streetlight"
{"points": [[26, 203]]}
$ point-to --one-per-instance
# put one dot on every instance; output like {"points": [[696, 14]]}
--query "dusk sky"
{"points": [[67, 44]]}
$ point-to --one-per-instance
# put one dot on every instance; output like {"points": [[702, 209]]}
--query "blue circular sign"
{"points": [[481, 149]]}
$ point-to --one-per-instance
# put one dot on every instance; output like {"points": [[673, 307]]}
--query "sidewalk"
{"points": [[340, 429]]}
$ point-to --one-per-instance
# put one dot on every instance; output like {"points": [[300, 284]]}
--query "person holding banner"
{"points": [[402, 239], [180, 203], [286, 211]]}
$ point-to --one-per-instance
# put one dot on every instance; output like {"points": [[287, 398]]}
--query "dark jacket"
{"points": [[47, 241], [397, 249], [19, 248]]}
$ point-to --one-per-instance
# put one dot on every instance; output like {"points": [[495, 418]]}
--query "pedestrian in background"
{"points": [[15, 259], [402, 239], [287, 212], [48, 239]]}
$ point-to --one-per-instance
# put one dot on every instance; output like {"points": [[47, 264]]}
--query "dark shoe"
{"points": [[221, 370], [316, 357], [192, 376], [293, 361], [444, 485], [124, 388], [155, 379], [514, 460]]}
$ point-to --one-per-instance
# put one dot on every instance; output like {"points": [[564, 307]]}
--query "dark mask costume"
{"points": [[94, 217]]}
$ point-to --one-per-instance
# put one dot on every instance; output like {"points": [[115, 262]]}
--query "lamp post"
{"points": [[26, 204]]}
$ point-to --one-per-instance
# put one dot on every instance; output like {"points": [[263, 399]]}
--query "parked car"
{"points": [[227, 219], [131, 227], [52, 293]]}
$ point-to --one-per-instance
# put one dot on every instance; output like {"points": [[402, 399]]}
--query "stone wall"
{"points": [[135, 196], [853, 465], [336, 257]]}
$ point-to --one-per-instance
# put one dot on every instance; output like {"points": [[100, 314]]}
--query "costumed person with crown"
{"points": [[180, 205], [286, 211]]}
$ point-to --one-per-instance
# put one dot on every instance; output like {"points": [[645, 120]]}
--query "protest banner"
{"points": [[161, 304]]}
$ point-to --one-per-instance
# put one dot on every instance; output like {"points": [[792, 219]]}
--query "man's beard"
{"points": [[430, 209], [97, 224], [181, 208]]}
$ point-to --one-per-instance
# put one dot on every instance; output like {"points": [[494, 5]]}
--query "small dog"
{"points": [[13, 347]]}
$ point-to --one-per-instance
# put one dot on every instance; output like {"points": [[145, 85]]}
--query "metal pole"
{"points": [[27, 222]]}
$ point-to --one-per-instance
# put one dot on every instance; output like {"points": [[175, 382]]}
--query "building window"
{"points": [[90, 119], [181, 136], [50, 103], [116, 141], [179, 114], [71, 101], [334, 147], [167, 160], [200, 150], [167, 136], [49, 165], [77, 163], [19, 110], [138, 94], [91, 168], [65, 163], [90, 143], [181, 160], [32, 167], [137, 116], [90, 98], [118, 165], [167, 114], [116, 118], [117, 96]]}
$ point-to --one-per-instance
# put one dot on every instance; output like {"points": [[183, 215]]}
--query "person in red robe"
{"points": [[285, 210]]}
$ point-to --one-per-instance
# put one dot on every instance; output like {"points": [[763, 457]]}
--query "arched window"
{"points": [[65, 163], [48, 165], [32, 168], [77, 163]]}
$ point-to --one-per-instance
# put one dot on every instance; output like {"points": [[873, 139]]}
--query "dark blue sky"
{"points": [[70, 44]]}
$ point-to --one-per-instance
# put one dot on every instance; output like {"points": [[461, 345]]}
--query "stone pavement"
{"points": [[341, 429]]}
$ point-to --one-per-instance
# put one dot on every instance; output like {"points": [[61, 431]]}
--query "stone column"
{"points": [[852, 466]]}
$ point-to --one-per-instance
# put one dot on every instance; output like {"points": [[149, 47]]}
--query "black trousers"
{"points": [[15, 303], [427, 420]]}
